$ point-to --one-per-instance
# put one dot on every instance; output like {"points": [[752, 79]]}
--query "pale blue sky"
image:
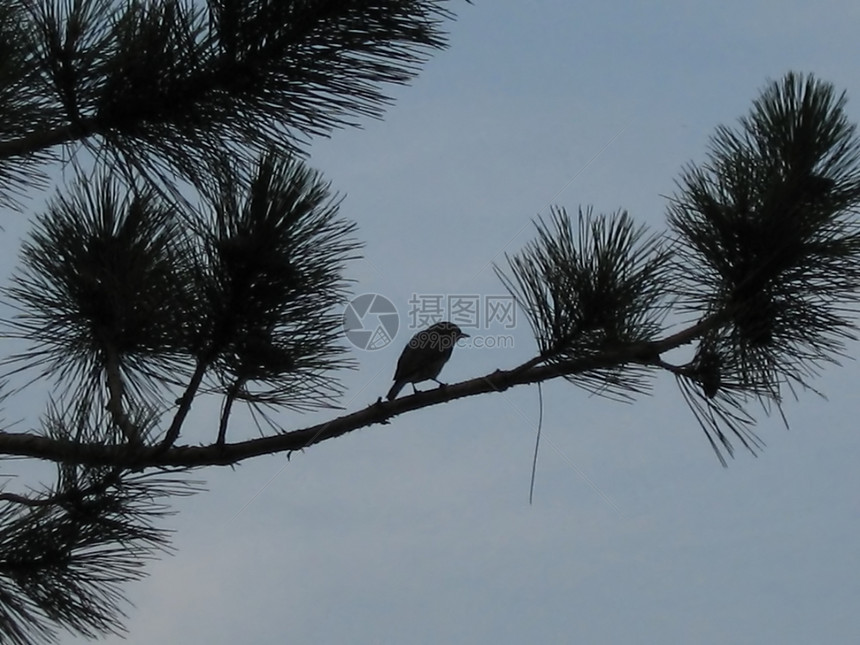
{"points": [[420, 531]]}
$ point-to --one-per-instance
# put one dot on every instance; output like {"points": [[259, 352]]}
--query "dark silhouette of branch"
{"points": [[171, 87], [185, 405], [644, 354], [40, 141]]}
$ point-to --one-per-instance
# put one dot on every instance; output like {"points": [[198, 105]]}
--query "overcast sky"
{"points": [[421, 531]]}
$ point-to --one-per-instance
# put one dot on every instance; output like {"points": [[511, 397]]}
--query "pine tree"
{"points": [[192, 252]]}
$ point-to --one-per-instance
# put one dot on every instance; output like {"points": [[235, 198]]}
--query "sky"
{"points": [[421, 531]]}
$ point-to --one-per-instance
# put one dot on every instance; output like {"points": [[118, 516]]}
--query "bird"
{"points": [[422, 359]]}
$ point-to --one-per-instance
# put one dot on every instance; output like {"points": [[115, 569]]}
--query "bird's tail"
{"points": [[395, 389]]}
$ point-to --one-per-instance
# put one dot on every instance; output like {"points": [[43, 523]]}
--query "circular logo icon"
{"points": [[370, 321]]}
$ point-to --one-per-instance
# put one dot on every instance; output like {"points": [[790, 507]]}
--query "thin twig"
{"points": [[537, 444], [116, 391], [225, 412], [185, 402]]}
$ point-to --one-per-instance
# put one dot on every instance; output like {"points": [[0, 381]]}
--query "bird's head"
{"points": [[447, 329]]}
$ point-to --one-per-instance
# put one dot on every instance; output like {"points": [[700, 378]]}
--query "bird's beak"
{"points": [[462, 335]]}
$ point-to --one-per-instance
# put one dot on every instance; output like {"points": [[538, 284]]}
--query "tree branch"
{"points": [[165, 455], [232, 393], [184, 406], [42, 140], [116, 392], [63, 497]]}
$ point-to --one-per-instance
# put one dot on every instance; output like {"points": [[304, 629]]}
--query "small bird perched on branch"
{"points": [[424, 356]]}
